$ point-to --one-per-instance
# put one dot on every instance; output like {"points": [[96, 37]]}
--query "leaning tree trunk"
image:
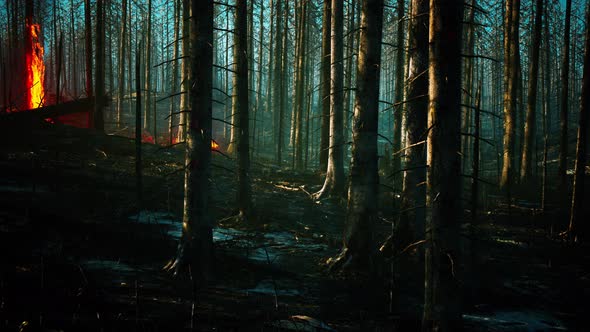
{"points": [[577, 227], [325, 86], [359, 233], [195, 249], [334, 182], [442, 293], [244, 196], [563, 109], [530, 126], [99, 102]]}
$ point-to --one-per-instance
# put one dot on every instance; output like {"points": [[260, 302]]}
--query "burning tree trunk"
{"points": [[334, 183], [195, 249], [325, 86], [563, 109], [443, 194], [244, 191], [364, 177], [34, 67], [577, 226], [530, 127]]}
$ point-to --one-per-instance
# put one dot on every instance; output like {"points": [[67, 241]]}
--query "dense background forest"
{"points": [[294, 165]]}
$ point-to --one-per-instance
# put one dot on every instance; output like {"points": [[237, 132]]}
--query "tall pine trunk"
{"points": [[174, 79], [325, 86], [442, 293], [185, 73], [564, 103], [299, 101], [578, 226], [147, 120], [511, 50], [100, 89], [411, 224], [334, 182], [361, 218], [398, 97], [530, 126], [195, 249], [121, 76], [88, 46], [244, 195]]}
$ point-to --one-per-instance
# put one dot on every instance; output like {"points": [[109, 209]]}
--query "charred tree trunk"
{"points": [[299, 104], [242, 124], [284, 84], [334, 182], [442, 294], [411, 223], [359, 234], [350, 54], [258, 105], [530, 130], [195, 249], [398, 97], [88, 42], [476, 150], [174, 80], [277, 81], [138, 175], [546, 102], [325, 86], [578, 229], [121, 78], [100, 89], [147, 121], [564, 103], [468, 86], [185, 69], [269, 100]]}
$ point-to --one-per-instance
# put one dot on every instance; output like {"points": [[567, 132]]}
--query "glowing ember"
{"points": [[35, 66]]}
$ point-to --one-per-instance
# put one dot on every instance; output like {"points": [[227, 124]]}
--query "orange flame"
{"points": [[214, 145], [35, 67]]}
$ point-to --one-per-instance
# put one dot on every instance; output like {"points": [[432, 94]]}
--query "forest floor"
{"points": [[77, 255]]}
